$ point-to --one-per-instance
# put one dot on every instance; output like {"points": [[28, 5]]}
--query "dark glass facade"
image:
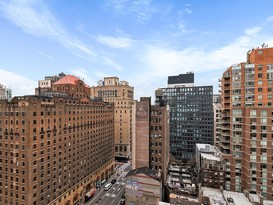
{"points": [[191, 118]]}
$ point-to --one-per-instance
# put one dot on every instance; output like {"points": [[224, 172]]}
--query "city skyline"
{"points": [[141, 42]]}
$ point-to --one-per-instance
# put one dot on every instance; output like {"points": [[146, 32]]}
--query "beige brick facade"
{"points": [[122, 95]]}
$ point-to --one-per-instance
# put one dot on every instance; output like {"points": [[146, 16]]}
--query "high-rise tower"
{"points": [[247, 123], [191, 115], [53, 150], [122, 95]]}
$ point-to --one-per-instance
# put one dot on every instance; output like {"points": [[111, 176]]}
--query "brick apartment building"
{"points": [[54, 149], [111, 89], [247, 123], [151, 140]]}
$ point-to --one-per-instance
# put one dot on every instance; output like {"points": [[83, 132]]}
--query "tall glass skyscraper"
{"points": [[191, 115]]}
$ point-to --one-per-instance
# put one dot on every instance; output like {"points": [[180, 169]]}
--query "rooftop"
{"points": [[216, 197], [68, 79], [181, 78], [145, 170], [237, 198], [210, 156]]}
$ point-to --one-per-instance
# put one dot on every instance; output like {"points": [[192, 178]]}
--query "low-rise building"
{"points": [[5, 93], [143, 186], [210, 166]]}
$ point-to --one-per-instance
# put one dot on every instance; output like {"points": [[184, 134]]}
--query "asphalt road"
{"points": [[113, 195]]}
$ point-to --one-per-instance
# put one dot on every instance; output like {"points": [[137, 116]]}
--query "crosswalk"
{"points": [[111, 195], [123, 174], [122, 183]]}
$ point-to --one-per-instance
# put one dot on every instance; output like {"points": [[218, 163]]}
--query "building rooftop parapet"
{"points": [[223, 197], [145, 170]]}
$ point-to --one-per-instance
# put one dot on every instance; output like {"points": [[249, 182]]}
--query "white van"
{"points": [[107, 186], [103, 181]]}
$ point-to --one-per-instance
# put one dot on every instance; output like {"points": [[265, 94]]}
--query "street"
{"points": [[113, 195]]}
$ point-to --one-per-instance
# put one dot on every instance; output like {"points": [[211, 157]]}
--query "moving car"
{"points": [[113, 181], [107, 186]]}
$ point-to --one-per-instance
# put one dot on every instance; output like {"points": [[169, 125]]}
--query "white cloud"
{"points": [[83, 74], [35, 18], [165, 61], [187, 11], [181, 20], [269, 18], [110, 62], [158, 61], [46, 55], [253, 31], [115, 42], [140, 10], [20, 85], [101, 74]]}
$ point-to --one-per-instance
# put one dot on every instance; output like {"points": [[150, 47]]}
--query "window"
{"points": [[260, 75], [263, 113], [252, 113]]}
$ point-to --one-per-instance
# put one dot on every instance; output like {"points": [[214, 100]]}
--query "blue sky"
{"points": [[140, 41]]}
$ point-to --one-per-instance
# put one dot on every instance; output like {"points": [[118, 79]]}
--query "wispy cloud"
{"points": [[269, 18], [140, 10], [110, 62], [46, 55], [101, 74], [83, 74], [115, 42], [187, 11], [35, 18], [18, 84], [181, 19], [253, 31], [164, 60]]}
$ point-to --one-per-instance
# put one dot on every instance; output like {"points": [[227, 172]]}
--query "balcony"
{"points": [[226, 113], [227, 88], [227, 147], [226, 82], [225, 128], [225, 122], [226, 139], [226, 135], [226, 76]]}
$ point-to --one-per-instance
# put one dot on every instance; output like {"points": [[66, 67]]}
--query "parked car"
{"points": [[122, 202], [113, 181], [103, 181]]}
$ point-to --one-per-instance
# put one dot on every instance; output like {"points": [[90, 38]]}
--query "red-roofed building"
{"points": [[72, 86]]}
